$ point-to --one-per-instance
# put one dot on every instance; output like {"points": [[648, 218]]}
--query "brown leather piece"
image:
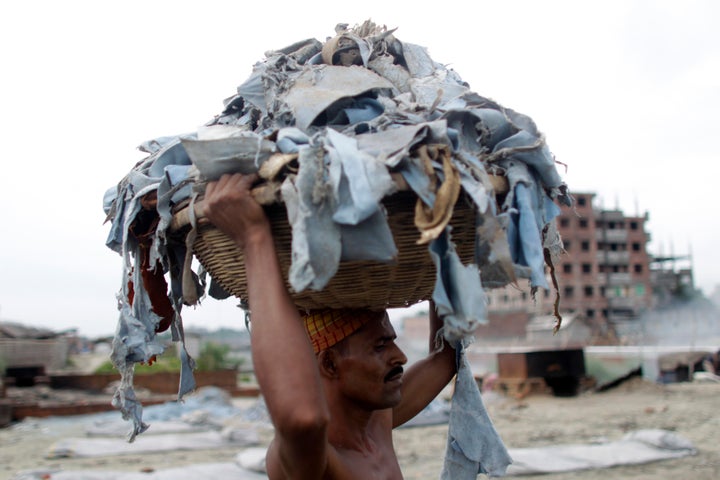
{"points": [[153, 277]]}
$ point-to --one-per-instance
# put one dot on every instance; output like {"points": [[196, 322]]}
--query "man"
{"points": [[333, 383]]}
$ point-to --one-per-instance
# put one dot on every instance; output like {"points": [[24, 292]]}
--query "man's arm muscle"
{"points": [[283, 359], [426, 378]]}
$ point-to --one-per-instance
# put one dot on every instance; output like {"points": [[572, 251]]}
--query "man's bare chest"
{"points": [[377, 464]]}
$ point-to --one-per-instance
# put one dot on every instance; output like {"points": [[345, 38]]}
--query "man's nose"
{"points": [[398, 357]]}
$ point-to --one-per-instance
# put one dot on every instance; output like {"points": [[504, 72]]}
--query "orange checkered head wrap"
{"points": [[328, 327]]}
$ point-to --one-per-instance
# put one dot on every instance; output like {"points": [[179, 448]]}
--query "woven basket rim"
{"points": [[356, 284]]}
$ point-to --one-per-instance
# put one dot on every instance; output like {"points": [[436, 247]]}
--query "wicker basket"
{"points": [[357, 284]]}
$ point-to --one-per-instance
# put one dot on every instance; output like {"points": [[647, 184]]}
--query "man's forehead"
{"points": [[379, 327], [386, 323]]}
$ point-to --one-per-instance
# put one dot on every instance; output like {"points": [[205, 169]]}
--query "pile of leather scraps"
{"points": [[330, 125]]}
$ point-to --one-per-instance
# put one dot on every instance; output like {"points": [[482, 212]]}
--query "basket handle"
{"points": [[265, 194], [268, 193]]}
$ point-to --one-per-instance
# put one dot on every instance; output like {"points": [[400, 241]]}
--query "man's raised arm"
{"points": [[283, 358], [426, 378]]}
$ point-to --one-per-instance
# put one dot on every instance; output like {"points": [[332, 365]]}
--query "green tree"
{"points": [[213, 356]]}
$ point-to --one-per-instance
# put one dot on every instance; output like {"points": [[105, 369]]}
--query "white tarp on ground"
{"points": [[641, 446], [100, 447], [200, 471], [638, 447], [119, 428]]}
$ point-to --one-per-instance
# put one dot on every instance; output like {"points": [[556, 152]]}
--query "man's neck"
{"points": [[352, 427]]}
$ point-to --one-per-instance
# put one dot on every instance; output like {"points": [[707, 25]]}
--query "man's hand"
{"points": [[230, 206]]}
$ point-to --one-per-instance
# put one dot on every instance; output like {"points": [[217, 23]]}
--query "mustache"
{"points": [[394, 372]]}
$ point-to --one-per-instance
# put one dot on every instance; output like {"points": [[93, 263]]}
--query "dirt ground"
{"points": [[688, 409]]}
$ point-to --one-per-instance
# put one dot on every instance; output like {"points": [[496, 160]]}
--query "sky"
{"points": [[626, 92]]}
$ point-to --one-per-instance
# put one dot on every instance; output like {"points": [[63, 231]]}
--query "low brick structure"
{"points": [[160, 383]]}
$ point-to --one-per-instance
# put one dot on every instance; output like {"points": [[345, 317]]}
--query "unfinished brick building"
{"points": [[604, 276]]}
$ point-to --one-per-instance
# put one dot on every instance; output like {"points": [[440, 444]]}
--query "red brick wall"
{"points": [[161, 382]]}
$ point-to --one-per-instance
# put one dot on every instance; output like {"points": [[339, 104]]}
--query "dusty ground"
{"points": [[689, 409]]}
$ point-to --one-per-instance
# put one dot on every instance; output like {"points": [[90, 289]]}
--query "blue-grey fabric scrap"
{"points": [[529, 210], [131, 345], [458, 294], [474, 445], [359, 183], [166, 172], [310, 206], [393, 144]]}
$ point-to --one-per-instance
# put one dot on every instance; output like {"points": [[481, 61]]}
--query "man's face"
{"points": [[370, 366]]}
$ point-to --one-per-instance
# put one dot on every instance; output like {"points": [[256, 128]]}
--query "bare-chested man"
{"points": [[333, 381]]}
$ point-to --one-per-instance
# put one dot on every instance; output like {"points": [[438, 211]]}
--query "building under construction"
{"points": [[606, 276]]}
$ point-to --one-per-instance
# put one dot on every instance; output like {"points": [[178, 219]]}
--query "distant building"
{"points": [[715, 296], [604, 276], [672, 280], [29, 351]]}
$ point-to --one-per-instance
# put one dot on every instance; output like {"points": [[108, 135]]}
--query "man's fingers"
{"points": [[210, 188], [245, 181], [232, 182]]}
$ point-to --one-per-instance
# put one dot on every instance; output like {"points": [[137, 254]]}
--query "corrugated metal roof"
{"points": [[17, 330]]}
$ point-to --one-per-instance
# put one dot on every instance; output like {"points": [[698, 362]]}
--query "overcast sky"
{"points": [[627, 93]]}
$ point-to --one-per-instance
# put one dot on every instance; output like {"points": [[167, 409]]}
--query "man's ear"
{"points": [[328, 361]]}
